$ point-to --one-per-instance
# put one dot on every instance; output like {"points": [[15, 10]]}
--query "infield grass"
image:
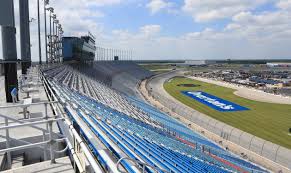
{"points": [[265, 120]]}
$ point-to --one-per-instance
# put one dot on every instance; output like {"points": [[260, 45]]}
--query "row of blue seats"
{"points": [[168, 159], [111, 115], [174, 143], [188, 134], [124, 163], [167, 166], [173, 124]]}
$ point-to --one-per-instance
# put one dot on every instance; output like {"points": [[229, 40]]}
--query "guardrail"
{"points": [[49, 142], [76, 145]]}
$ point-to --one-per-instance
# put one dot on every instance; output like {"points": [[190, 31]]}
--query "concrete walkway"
{"points": [[27, 134], [62, 165]]}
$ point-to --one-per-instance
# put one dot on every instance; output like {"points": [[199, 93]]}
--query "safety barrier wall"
{"points": [[250, 142]]}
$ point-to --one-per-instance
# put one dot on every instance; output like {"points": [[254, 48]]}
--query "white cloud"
{"points": [[157, 5], [284, 4], [150, 30], [268, 25], [232, 26], [209, 10], [146, 33]]}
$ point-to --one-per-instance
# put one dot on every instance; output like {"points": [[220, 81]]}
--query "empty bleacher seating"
{"points": [[125, 123]]}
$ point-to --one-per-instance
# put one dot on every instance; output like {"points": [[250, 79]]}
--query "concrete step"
{"points": [[62, 165], [17, 161], [3, 162]]}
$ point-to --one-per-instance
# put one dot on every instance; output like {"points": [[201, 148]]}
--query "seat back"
{"points": [[14, 93]]}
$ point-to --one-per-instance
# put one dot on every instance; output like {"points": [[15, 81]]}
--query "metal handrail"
{"points": [[24, 142], [31, 123], [31, 104], [32, 126], [23, 147], [31, 145], [61, 140], [138, 163]]}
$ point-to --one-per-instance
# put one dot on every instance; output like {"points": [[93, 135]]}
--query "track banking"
{"points": [[214, 102]]}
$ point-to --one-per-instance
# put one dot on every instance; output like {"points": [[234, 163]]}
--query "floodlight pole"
{"points": [[39, 40], [45, 2], [50, 44], [56, 43], [55, 39], [52, 39], [24, 35]]}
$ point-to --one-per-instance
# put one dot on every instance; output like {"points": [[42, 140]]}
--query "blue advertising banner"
{"points": [[214, 102]]}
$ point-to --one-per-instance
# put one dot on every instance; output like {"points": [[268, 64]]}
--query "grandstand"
{"points": [[103, 95], [122, 76]]}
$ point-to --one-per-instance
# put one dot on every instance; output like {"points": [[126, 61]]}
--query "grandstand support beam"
{"points": [[106, 50], [111, 55], [10, 55], [24, 35], [9, 46], [50, 38], [38, 28], [98, 54]]}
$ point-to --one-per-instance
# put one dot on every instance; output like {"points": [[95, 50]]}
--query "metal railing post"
{"points": [[276, 154], [8, 145], [51, 142], [46, 115], [45, 109], [45, 146]]}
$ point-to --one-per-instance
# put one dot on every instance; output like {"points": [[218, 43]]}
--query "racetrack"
{"points": [[249, 93], [266, 120]]}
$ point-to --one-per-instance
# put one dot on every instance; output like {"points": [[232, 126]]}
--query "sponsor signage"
{"points": [[214, 102]]}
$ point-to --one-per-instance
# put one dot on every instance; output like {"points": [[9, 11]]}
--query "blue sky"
{"points": [[179, 29], [132, 15]]}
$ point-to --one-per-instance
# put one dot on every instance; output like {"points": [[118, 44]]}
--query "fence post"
{"points": [[8, 144], [51, 142], [231, 133], [208, 122], [240, 137], [263, 147], [45, 109], [251, 142], [276, 154], [44, 146]]}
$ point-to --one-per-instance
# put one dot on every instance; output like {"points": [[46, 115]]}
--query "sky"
{"points": [[176, 29]]}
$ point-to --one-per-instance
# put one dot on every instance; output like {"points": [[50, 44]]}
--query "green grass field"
{"points": [[266, 120]]}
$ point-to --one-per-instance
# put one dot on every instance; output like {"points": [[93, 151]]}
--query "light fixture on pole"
{"points": [[59, 41], [61, 44], [52, 37], [45, 3], [39, 41], [51, 10], [56, 40]]}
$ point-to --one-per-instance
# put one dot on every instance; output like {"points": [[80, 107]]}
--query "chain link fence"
{"points": [[260, 146]]}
